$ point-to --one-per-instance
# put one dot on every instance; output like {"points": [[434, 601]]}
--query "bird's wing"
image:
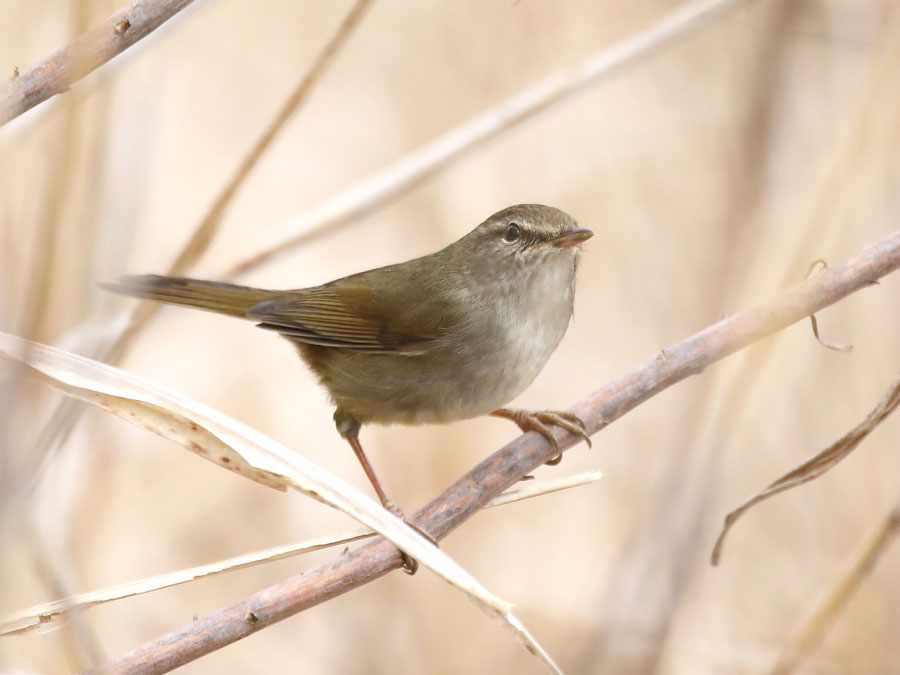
{"points": [[351, 314]]}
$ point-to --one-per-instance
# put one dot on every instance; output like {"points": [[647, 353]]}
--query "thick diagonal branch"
{"points": [[56, 73], [509, 464]]}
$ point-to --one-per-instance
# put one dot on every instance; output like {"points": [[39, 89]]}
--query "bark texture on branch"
{"points": [[56, 73]]}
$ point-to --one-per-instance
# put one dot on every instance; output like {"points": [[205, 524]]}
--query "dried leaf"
{"points": [[816, 466]]}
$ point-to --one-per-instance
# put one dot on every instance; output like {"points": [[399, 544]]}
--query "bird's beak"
{"points": [[571, 237]]}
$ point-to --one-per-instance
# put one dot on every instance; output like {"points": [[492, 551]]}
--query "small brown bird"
{"points": [[448, 336]]}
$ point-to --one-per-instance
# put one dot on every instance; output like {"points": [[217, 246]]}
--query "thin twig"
{"points": [[56, 73], [398, 179], [509, 464], [834, 346], [827, 611]]}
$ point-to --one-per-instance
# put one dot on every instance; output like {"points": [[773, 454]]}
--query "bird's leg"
{"points": [[538, 420], [370, 474], [410, 565]]}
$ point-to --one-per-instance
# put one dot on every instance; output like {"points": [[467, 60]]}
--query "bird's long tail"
{"points": [[213, 296]]}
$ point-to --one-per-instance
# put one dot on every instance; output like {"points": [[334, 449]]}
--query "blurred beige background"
{"points": [[712, 174]]}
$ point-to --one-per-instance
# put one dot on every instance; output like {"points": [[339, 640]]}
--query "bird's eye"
{"points": [[512, 233]]}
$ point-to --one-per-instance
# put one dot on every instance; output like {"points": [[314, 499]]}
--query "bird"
{"points": [[447, 336]]}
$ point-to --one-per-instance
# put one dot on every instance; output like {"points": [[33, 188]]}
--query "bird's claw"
{"points": [[541, 420], [410, 564]]}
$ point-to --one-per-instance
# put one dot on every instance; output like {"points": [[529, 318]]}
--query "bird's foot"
{"points": [[541, 421], [410, 564]]}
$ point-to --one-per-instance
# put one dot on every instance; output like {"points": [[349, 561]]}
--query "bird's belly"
{"points": [[445, 384], [469, 391]]}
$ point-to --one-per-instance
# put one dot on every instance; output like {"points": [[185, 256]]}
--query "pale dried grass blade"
{"points": [[45, 616], [234, 446], [545, 487], [531, 645]]}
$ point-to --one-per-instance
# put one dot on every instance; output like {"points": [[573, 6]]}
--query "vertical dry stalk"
{"points": [[827, 611]]}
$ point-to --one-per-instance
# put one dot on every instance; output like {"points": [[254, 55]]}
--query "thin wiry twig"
{"points": [[56, 73], [815, 324], [509, 464], [398, 179]]}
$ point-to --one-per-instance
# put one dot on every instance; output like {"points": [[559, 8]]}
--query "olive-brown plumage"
{"points": [[448, 336]]}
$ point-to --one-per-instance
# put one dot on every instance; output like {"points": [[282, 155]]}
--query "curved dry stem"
{"points": [[815, 466], [509, 464]]}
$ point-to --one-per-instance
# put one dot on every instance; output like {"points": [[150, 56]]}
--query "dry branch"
{"points": [[56, 73], [509, 464]]}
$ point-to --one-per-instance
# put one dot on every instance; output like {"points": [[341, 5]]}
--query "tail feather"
{"points": [[213, 296]]}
